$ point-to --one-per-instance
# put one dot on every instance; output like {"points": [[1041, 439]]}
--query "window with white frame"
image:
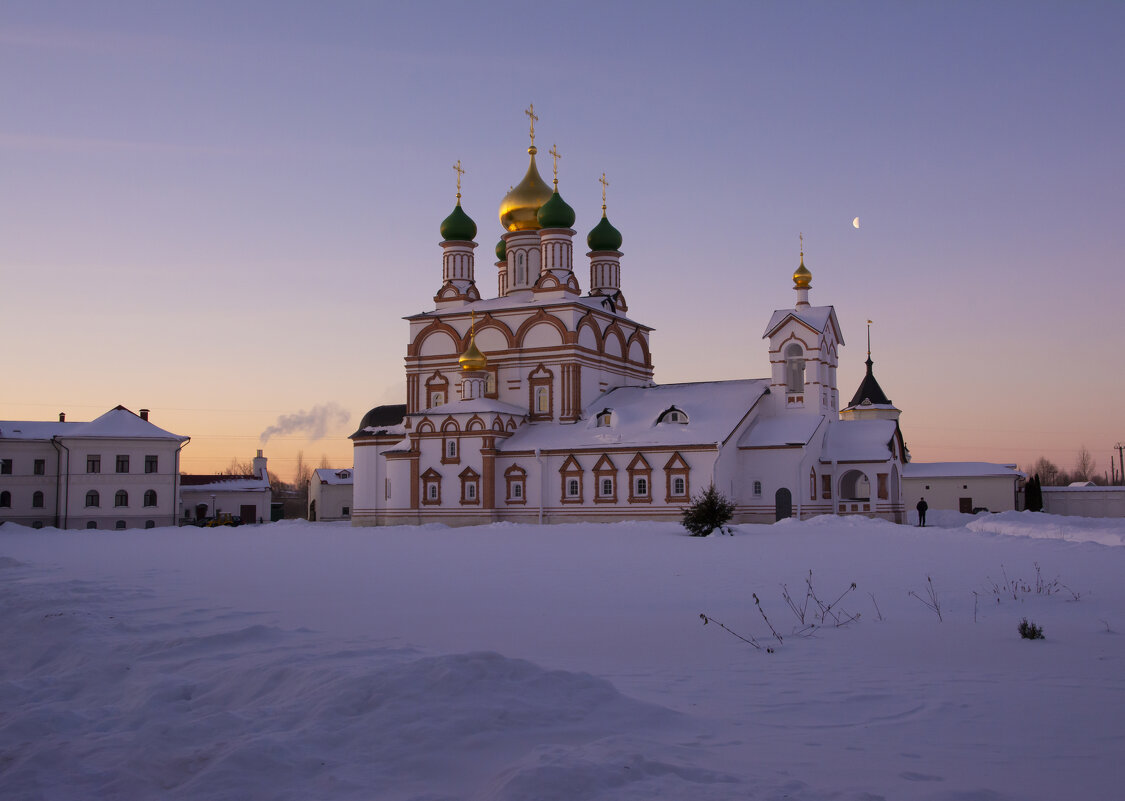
{"points": [[757, 489], [607, 487], [679, 486], [640, 487], [573, 488]]}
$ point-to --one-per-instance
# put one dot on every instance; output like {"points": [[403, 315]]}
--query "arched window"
{"points": [[150, 524], [572, 488], [119, 524], [5, 500], [92, 524], [37, 500], [121, 498], [150, 497], [757, 489], [607, 487], [678, 486], [794, 368], [93, 499]]}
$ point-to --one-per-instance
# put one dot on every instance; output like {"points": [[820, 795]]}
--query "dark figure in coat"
{"points": [[922, 507]]}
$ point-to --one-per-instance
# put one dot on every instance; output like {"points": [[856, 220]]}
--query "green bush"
{"points": [[1029, 631], [709, 510]]}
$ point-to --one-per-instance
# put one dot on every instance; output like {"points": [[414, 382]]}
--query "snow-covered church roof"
{"points": [[859, 441], [705, 413], [815, 317]]}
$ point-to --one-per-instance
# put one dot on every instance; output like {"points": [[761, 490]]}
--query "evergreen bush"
{"points": [[709, 510], [1029, 631]]}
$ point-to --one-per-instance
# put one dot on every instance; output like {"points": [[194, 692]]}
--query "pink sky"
{"points": [[222, 213]]}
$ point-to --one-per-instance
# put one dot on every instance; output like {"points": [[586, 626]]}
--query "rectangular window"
{"points": [[757, 489], [122, 464], [678, 486], [607, 487], [541, 399], [640, 487], [40, 467], [151, 463], [572, 488], [93, 464], [347, 510], [5, 467], [517, 489]]}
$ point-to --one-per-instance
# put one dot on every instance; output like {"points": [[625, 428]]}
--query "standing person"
{"points": [[922, 507]]}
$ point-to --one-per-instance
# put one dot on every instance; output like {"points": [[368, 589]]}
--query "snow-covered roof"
{"points": [[816, 317], [32, 429], [217, 483], [859, 441], [474, 406], [118, 422], [781, 431], [523, 301], [958, 469], [328, 475], [713, 410]]}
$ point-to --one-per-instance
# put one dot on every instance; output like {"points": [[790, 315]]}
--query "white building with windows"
{"points": [[115, 472], [330, 494], [538, 404]]}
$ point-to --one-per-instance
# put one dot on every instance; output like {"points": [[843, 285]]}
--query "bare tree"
{"points": [[324, 461], [1048, 472], [1085, 468], [237, 468]]}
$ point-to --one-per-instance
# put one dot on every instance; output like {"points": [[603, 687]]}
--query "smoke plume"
{"points": [[314, 423]]}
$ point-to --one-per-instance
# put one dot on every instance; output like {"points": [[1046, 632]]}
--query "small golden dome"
{"points": [[801, 276], [520, 206], [472, 358]]}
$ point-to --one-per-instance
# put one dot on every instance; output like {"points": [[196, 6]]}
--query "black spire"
{"points": [[869, 389]]}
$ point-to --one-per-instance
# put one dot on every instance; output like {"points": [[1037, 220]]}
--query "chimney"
{"points": [[144, 415], [62, 417], [260, 465]]}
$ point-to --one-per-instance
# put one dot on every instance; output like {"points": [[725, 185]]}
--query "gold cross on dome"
{"points": [[554, 151], [604, 184], [531, 113], [460, 171]]}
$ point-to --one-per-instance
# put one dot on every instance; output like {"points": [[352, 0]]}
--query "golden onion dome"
{"points": [[472, 358], [520, 207], [801, 276]]}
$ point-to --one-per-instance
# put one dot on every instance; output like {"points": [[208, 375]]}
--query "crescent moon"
{"points": [[855, 222]]}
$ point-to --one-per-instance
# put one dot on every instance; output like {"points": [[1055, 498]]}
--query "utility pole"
{"points": [[1121, 459]]}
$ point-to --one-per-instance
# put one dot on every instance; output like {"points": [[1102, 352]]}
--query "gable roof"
{"points": [[859, 441], [818, 318]]}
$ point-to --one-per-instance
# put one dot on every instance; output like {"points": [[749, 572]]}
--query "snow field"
{"points": [[301, 661]]}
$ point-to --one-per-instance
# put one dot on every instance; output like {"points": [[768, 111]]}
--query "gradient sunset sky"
{"points": [[221, 211]]}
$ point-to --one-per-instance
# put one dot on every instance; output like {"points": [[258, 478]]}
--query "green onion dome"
{"points": [[555, 213], [604, 236], [458, 226], [501, 250]]}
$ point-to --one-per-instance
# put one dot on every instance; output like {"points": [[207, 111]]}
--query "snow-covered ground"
{"points": [[316, 661]]}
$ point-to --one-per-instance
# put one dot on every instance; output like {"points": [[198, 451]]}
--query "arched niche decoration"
{"points": [[415, 348]]}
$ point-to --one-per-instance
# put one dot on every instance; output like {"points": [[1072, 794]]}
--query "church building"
{"points": [[537, 403]]}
